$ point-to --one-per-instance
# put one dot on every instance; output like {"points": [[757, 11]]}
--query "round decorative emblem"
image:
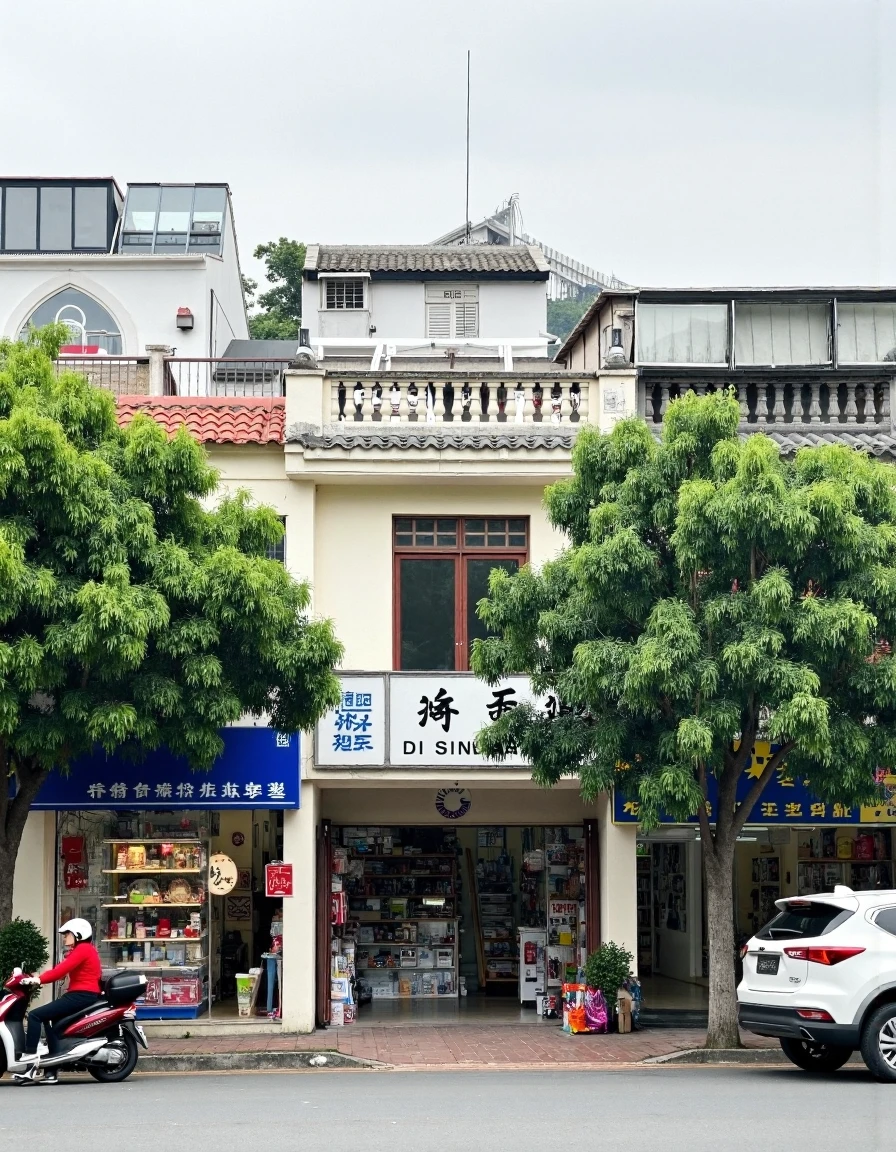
{"points": [[237, 839], [222, 874], [453, 803]]}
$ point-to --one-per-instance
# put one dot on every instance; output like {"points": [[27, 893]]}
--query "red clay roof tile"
{"points": [[212, 419]]}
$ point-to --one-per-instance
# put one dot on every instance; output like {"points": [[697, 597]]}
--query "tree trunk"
{"points": [[7, 875], [719, 860], [14, 813]]}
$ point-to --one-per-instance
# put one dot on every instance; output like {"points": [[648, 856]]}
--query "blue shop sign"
{"points": [[784, 800], [259, 768]]}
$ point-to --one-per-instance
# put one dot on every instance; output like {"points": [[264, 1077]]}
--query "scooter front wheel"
{"points": [[115, 1073]]}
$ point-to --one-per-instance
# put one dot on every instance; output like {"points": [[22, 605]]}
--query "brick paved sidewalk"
{"points": [[458, 1045]]}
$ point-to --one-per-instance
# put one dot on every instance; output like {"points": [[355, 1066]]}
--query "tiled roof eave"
{"points": [[407, 438]]}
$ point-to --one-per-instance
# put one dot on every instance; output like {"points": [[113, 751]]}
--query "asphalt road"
{"points": [[681, 1108]]}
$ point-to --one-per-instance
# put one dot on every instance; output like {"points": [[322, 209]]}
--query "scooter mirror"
{"points": [[17, 971]]}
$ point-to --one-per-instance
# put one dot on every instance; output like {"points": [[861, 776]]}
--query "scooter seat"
{"points": [[60, 1025]]}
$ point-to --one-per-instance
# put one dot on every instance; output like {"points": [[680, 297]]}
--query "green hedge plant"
{"points": [[22, 945], [606, 968]]}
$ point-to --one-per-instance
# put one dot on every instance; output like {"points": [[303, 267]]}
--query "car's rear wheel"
{"points": [[879, 1043], [815, 1057]]}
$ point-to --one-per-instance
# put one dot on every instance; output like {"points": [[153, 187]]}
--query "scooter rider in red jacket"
{"points": [[85, 972]]}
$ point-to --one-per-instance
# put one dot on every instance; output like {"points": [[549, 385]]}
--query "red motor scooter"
{"points": [[101, 1038]]}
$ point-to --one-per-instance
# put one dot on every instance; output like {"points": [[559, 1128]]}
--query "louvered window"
{"points": [[452, 313]]}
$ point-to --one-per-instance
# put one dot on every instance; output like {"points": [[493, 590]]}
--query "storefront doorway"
{"points": [[142, 881], [446, 923]]}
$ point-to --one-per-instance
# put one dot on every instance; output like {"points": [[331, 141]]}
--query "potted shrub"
{"points": [[22, 945], [606, 968]]}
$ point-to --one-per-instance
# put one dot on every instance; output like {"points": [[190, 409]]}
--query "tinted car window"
{"points": [[808, 919], [887, 920]]}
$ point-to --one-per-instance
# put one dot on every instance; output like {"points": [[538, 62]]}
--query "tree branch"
{"points": [[758, 785], [29, 779], [706, 836]]}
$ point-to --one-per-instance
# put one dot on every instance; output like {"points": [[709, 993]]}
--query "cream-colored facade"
{"points": [[339, 485]]}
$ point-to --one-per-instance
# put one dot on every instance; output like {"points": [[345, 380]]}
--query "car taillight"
{"points": [[745, 948], [829, 956], [815, 1014]]}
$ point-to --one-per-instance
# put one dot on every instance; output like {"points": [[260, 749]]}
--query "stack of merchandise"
{"points": [[342, 981]]}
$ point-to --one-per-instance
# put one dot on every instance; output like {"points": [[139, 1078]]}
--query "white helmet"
{"points": [[79, 928]]}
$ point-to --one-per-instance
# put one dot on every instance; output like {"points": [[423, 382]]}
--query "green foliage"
{"points": [[22, 945], [130, 615], [711, 589], [281, 306], [563, 315], [606, 968]]}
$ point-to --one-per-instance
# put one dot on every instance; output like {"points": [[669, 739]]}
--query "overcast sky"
{"points": [[694, 142]]}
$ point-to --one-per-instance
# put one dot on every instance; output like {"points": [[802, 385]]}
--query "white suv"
{"points": [[821, 976]]}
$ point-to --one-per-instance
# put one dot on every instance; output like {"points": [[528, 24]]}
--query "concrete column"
{"points": [[34, 888], [618, 882], [618, 390], [307, 397], [300, 849], [157, 354]]}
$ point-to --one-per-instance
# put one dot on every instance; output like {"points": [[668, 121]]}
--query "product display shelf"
{"points": [[413, 895], [157, 871], [175, 990]]}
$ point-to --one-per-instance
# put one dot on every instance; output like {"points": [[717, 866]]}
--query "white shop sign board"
{"points": [[408, 721]]}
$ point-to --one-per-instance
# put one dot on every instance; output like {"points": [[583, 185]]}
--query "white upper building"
{"points": [[425, 299], [157, 266]]}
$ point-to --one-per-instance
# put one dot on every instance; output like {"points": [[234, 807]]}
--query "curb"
{"points": [[722, 1056], [252, 1061]]}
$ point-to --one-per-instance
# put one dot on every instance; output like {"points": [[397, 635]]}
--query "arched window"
{"points": [[90, 324]]}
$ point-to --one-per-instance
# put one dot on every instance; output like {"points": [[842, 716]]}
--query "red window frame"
{"points": [[461, 552]]}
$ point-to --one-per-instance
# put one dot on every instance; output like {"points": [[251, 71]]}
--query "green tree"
{"points": [[712, 593], [563, 315], [281, 306], [130, 616]]}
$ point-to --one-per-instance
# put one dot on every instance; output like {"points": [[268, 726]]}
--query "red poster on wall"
{"points": [[278, 880]]}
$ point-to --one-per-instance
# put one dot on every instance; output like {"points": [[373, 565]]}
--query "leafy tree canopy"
{"points": [[712, 593], [281, 306], [131, 616], [563, 315]]}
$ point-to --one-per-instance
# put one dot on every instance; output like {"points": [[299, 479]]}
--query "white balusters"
{"points": [[851, 411]]}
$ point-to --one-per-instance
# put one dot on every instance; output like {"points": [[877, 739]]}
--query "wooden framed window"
{"points": [[441, 571]]}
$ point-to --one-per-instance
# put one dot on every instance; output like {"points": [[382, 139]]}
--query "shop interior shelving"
{"points": [[178, 990], [396, 895]]}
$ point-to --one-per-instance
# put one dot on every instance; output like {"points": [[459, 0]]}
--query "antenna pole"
{"points": [[467, 208]]}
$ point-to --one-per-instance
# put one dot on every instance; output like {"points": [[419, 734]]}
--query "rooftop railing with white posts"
{"points": [[383, 352], [556, 398]]}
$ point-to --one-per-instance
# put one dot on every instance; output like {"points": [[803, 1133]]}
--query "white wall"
{"points": [[397, 308], [509, 309], [142, 293], [355, 522], [230, 322]]}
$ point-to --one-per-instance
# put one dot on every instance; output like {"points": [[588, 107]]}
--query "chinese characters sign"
{"points": [[355, 733], [259, 768], [784, 801], [278, 880], [222, 874], [431, 719]]}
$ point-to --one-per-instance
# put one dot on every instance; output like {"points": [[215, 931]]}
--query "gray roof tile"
{"points": [[877, 443], [407, 437], [475, 259]]}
